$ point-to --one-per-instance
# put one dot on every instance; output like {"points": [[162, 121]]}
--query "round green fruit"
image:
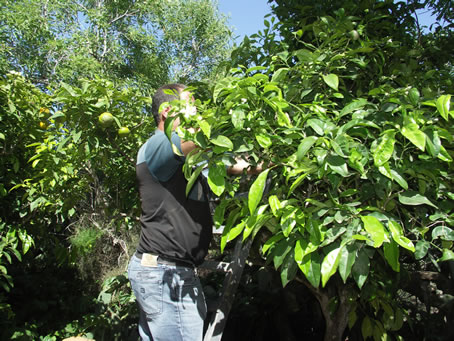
{"points": [[123, 131], [353, 34], [413, 96], [106, 119]]}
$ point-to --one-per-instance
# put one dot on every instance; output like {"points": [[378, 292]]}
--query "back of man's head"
{"points": [[163, 95]]}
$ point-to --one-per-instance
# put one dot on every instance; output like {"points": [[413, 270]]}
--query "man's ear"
{"points": [[165, 111]]}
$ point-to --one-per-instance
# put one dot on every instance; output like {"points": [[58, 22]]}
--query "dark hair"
{"points": [[161, 97]]}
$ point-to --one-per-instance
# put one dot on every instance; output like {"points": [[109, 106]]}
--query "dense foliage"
{"points": [[346, 104], [146, 43], [354, 122]]}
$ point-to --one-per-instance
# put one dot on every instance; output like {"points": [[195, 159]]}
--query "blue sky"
{"points": [[245, 15]]}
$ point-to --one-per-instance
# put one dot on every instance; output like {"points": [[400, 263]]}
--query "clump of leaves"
{"points": [[85, 239]]}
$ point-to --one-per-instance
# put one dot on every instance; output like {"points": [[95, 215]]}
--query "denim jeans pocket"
{"points": [[148, 288]]}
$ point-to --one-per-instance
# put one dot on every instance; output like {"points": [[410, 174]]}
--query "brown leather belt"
{"points": [[167, 261]]}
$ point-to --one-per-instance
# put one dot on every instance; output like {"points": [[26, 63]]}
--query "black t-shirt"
{"points": [[173, 226]]}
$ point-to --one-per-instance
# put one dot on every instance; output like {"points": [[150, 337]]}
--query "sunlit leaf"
{"points": [[417, 137], [222, 141], [304, 146], [338, 165], [443, 104], [375, 228], [346, 261], [256, 191], [414, 198], [353, 106], [331, 80], [310, 266], [216, 178], [447, 255], [385, 148], [330, 264], [399, 238]]}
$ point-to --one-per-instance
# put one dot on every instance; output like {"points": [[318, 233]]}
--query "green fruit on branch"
{"points": [[354, 35], [106, 119], [123, 131]]}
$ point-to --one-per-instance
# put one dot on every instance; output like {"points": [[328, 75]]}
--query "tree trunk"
{"points": [[335, 321]]}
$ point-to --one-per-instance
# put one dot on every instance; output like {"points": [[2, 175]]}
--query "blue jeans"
{"points": [[171, 301]]}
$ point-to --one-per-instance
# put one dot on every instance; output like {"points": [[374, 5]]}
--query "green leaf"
{"points": [[264, 141], [168, 126], [256, 222], [397, 234], [331, 80], [255, 68], [433, 142], [216, 178], [391, 251], [235, 231], [443, 103], [375, 228], [288, 220], [69, 89], [279, 253], [337, 164], [413, 96], [303, 248], [353, 106], [352, 318], [271, 242], [218, 216], [366, 328], [443, 232], [275, 204], [304, 146], [417, 137], [296, 183], [195, 174], [222, 141], [237, 118], [76, 136], [360, 269], [256, 191], [414, 198], [385, 149], [421, 249], [283, 119], [232, 218], [279, 75], [399, 179], [330, 264], [304, 55], [385, 170], [310, 266], [221, 86], [447, 255], [346, 261], [206, 128], [289, 269], [317, 125], [444, 155]]}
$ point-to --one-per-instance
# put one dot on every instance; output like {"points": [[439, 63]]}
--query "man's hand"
{"points": [[241, 165]]}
